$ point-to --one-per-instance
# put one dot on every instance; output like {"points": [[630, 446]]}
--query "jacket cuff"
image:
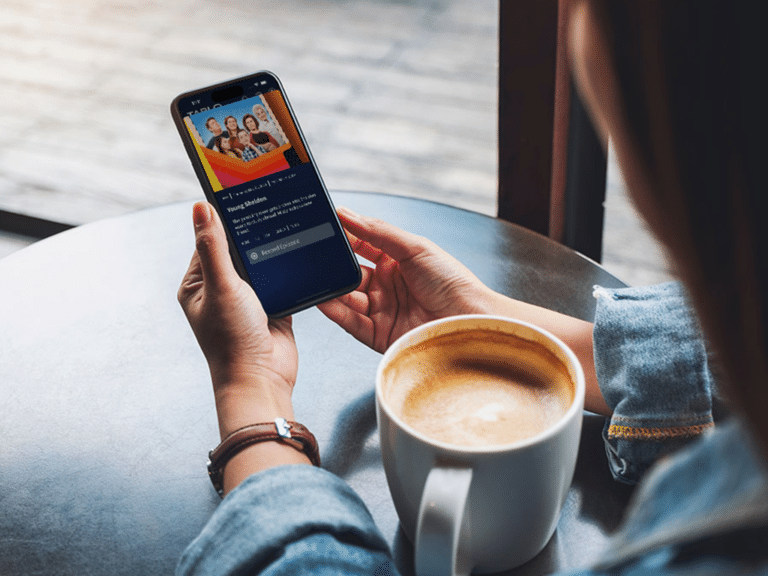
{"points": [[284, 520], [651, 365]]}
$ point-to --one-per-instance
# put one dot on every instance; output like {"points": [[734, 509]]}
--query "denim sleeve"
{"points": [[652, 370], [290, 520]]}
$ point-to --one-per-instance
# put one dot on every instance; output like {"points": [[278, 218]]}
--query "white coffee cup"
{"points": [[482, 508]]}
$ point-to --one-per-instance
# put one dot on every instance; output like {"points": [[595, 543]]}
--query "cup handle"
{"points": [[442, 537]]}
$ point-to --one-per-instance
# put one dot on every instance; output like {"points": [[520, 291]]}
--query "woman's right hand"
{"points": [[412, 282]]}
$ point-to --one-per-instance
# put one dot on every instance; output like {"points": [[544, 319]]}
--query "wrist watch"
{"points": [[281, 430]]}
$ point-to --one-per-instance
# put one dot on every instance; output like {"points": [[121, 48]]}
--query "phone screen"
{"points": [[254, 165]]}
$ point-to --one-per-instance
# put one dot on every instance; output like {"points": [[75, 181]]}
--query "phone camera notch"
{"points": [[228, 93]]}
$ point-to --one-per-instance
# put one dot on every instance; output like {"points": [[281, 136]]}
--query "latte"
{"points": [[478, 387]]}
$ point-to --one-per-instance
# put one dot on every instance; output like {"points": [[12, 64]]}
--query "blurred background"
{"points": [[395, 96]]}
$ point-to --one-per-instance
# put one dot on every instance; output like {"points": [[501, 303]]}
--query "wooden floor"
{"points": [[396, 96]]}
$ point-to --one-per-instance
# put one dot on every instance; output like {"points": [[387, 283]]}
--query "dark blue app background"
{"points": [[290, 244]]}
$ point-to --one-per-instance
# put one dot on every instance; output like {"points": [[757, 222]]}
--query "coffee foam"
{"points": [[478, 387]]}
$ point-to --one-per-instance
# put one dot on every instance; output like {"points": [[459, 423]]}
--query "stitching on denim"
{"points": [[616, 432], [702, 419]]}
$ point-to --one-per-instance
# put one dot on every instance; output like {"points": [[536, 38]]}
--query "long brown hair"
{"points": [[690, 81]]}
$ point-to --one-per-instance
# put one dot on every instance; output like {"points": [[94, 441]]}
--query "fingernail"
{"points": [[348, 214], [201, 215]]}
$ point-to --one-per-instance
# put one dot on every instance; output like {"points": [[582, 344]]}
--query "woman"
{"points": [[266, 124], [230, 123], [674, 86], [258, 137], [223, 145]]}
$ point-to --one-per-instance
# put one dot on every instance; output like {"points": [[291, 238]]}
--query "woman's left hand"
{"points": [[253, 360]]}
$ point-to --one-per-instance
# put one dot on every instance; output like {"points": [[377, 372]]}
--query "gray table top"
{"points": [[108, 413]]}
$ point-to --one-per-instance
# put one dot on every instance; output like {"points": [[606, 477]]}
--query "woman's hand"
{"points": [[253, 360], [412, 282]]}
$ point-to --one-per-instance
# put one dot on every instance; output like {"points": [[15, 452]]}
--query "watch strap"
{"points": [[292, 433]]}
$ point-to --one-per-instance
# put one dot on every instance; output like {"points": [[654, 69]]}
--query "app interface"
{"points": [[269, 194]]}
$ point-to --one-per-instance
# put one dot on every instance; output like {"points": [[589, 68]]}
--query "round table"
{"points": [[108, 413]]}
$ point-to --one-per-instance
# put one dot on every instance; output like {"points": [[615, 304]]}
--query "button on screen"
{"points": [[278, 247]]}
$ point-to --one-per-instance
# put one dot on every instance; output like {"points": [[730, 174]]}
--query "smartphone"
{"points": [[256, 169]]}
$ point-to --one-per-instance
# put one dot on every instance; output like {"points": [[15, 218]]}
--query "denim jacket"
{"points": [[702, 507]]}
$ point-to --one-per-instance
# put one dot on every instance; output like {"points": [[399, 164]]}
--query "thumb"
{"points": [[212, 248], [382, 236]]}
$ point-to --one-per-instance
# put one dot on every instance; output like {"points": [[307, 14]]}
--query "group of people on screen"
{"points": [[254, 135]]}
